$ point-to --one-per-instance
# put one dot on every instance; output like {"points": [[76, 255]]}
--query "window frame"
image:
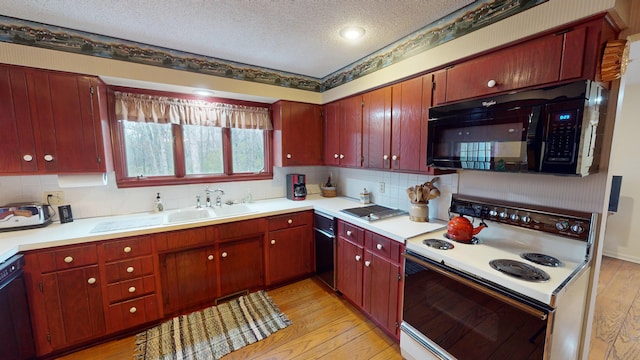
{"points": [[180, 177]]}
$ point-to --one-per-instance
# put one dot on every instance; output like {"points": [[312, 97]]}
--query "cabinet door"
{"points": [[332, 133], [188, 279], [290, 254], [73, 306], [381, 291], [297, 134], [350, 131], [65, 107], [18, 153], [241, 265], [532, 63], [376, 133], [350, 263], [407, 140]]}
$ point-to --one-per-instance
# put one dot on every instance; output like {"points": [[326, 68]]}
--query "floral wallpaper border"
{"points": [[469, 18]]}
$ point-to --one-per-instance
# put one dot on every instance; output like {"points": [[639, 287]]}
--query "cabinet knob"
{"points": [[491, 83], [48, 157], [379, 246], [289, 221], [386, 157], [210, 257], [127, 249], [224, 254], [68, 259], [358, 257], [367, 263], [132, 289], [335, 156], [273, 242], [394, 157], [341, 156], [133, 310], [348, 232], [288, 156], [130, 269], [27, 157], [91, 281]]}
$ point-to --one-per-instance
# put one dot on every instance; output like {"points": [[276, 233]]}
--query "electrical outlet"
{"points": [[381, 185], [54, 197]]}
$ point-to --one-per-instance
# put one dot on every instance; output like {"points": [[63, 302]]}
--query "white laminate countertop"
{"points": [[399, 228]]}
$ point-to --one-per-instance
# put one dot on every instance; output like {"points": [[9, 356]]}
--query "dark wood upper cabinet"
{"points": [[56, 122], [297, 134], [343, 132], [376, 128]]}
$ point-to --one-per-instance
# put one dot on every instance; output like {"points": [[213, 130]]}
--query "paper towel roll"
{"points": [[81, 180]]}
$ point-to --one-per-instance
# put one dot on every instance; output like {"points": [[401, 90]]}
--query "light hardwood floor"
{"points": [[616, 321], [324, 326], [327, 327]]}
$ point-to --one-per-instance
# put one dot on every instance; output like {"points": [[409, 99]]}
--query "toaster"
{"points": [[22, 216]]}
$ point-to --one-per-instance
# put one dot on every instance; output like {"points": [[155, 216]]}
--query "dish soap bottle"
{"points": [[159, 207]]}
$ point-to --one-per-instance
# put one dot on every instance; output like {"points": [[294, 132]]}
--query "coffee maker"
{"points": [[296, 188]]}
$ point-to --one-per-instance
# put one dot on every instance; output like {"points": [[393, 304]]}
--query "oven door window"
{"points": [[468, 323], [482, 141]]}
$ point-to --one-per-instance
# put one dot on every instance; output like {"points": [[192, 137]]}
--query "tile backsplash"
{"points": [[109, 200]]}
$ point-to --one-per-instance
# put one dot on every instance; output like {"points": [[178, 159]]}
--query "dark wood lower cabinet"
{"points": [[241, 265], [188, 279], [370, 276]]}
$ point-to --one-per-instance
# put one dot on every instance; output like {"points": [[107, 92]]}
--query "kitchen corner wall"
{"points": [[110, 200]]}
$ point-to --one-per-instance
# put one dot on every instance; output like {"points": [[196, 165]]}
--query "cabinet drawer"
{"points": [[127, 248], [241, 229], [382, 246], [129, 269], [183, 239], [130, 289], [67, 258], [290, 220], [127, 314], [351, 232]]}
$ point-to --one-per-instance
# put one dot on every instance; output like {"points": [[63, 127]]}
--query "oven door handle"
{"points": [[496, 295]]}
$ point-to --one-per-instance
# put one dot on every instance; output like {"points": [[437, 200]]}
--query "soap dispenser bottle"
{"points": [[158, 207]]}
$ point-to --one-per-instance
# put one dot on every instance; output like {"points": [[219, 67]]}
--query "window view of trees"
{"points": [[247, 147], [148, 149], [203, 152]]}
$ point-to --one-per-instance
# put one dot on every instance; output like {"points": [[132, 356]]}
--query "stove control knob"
{"points": [[526, 219], [577, 228], [514, 217], [504, 215], [562, 225], [493, 212]]}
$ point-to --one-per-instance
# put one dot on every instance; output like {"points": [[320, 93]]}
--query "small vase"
{"points": [[419, 212]]}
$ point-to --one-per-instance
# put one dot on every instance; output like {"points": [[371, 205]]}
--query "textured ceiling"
{"points": [[297, 36]]}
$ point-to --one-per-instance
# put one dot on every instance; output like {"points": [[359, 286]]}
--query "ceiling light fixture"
{"points": [[203, 92], [352, 32]]}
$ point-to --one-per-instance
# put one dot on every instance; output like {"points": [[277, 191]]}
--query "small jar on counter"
{"points": [[364, 197]]}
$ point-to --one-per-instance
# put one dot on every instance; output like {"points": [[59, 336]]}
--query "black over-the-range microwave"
{"points": [[551, 130]]}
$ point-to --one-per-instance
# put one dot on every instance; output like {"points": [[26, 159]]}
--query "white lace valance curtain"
{"points": [[159, 109]]}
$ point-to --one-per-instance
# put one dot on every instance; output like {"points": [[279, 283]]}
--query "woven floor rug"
{"points": [[213, 332]]}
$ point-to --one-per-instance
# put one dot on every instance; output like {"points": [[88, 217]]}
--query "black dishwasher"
{"points": [[325, 248], [16, 337]]}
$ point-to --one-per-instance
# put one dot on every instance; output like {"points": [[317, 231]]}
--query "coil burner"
{"points": [[438, 244], [520, 270], [542, 259], [474, 240]]}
